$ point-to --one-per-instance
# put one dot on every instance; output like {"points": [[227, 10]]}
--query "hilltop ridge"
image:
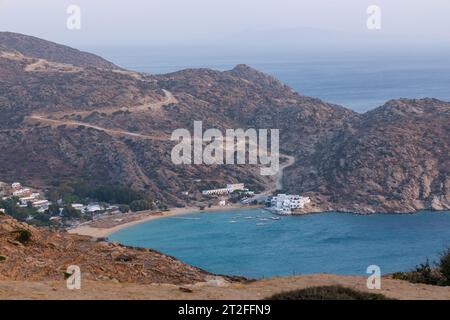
{"points": [[41, 49]]}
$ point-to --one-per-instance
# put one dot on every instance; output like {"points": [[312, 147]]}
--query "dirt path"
{"points": [[146, 107], [106, 290], [277, 183], [154, 106], [116, 132], [283, 167]]}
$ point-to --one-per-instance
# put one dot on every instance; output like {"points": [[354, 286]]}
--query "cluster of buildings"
{"points": [[95, 208], [285, 204], [227, 192], [230, 188], [27, 196]]}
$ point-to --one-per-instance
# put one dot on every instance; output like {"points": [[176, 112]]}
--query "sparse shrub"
{"points": [[327, 293], [444, 266], [23, 236], [2, 258], [425, 273]]}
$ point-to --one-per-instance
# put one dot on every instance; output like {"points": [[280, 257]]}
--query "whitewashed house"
{"points": [[16, 186], [22, 193], [285, 204], [224, 191], [41, 205]]}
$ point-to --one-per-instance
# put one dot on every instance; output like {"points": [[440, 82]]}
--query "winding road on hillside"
{"points": [[277, 179], [145, 107]]}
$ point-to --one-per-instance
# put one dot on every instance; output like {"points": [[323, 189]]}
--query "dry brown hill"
{"points": [[46, 256]]}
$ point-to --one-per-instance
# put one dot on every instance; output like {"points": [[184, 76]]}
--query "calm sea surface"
{"points": [[359, 81], [250, 243]]}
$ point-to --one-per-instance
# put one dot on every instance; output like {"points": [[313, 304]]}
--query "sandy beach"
{"points": [[108, 225]]}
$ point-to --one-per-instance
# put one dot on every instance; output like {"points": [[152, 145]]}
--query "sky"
{"points": [[204, 22]]}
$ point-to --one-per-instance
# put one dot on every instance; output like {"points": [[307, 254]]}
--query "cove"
{"points": [[252, 243]]}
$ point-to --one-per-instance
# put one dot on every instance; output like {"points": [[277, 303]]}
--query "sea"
{"points": [[251, 243]]}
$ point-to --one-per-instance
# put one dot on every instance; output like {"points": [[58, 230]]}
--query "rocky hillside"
{"points": [[392, 159], [47, 254], [68, 116]]}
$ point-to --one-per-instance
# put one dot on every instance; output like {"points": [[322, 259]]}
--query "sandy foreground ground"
{"points": [[107, 226], [95, 290]]}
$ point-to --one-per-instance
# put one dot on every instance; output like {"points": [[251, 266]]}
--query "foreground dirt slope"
{"points": [[252, 291], [49, 253]]}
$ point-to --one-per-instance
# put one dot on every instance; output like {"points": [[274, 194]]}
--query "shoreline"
{"points": [[145, 216], [142, 217]]}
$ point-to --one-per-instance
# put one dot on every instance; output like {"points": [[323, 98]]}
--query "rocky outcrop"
{"points": [[392, 159], [47, 255]]}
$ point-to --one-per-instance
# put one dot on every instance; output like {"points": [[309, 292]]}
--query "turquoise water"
{"points": [[232, 243]]}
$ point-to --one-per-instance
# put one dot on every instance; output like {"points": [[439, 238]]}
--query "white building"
{"points": [[16, 186], [41, 205], [24, 201], [22, 193], [92, 208], [79, 207], [284, 204], [235, 187], [223, 191]]}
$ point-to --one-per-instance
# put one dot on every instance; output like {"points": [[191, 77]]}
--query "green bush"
{"points": [[141, 205], [327, 293], [2, 258], [124, 208], [71, 213], [21, 214], [444, 266], [23, 236], [425, 273]]}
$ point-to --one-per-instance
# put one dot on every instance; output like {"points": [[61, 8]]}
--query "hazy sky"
{"points": [[169, 22]]}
